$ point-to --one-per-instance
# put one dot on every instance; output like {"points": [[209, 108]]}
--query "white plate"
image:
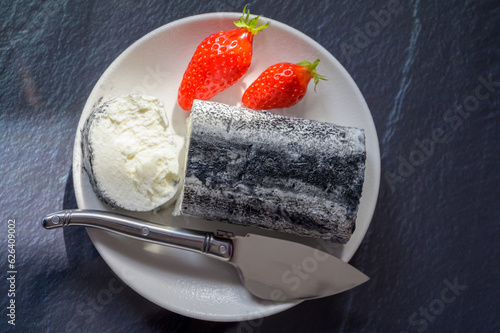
{"points": [[188, 283]]}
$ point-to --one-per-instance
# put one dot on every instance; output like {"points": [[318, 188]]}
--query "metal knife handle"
{"points": [[195, 241]]}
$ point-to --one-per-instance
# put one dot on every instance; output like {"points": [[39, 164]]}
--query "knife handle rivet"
{"points": [[222, 249], [145, 231], [55, 219]]}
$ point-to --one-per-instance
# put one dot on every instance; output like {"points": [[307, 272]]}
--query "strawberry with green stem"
{"points": [[219, 61], [281, 85]]}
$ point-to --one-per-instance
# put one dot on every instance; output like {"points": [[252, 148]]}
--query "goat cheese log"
{"points": [[265, 170], [130, 155]]}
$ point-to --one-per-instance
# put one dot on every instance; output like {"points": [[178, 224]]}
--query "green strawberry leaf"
{"points": [[251, 25], [311, 68]]}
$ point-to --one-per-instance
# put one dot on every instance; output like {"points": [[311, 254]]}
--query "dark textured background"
{"points": [[437, 217]]}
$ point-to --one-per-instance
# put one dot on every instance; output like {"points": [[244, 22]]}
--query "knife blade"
{"points": [[270, 268]]}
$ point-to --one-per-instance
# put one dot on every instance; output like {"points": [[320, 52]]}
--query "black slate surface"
{"points": [[430, 73]]}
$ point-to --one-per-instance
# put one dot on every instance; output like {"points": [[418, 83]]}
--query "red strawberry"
{"points": [[219, 61], [281, 85]]}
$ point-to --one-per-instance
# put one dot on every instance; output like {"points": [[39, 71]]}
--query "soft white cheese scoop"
{"points": [[130, 154]]}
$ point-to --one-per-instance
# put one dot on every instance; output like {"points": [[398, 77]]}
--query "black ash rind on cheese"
{"points": [[87, 153], [265, 170]]}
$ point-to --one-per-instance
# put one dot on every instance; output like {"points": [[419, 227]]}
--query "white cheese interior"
{"points": [[189, 126], [134, 158]]}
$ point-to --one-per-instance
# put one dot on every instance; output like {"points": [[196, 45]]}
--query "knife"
{"points": [[271, 269]]}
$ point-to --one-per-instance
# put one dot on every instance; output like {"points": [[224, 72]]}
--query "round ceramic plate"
{"points": [[188, 283]]}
